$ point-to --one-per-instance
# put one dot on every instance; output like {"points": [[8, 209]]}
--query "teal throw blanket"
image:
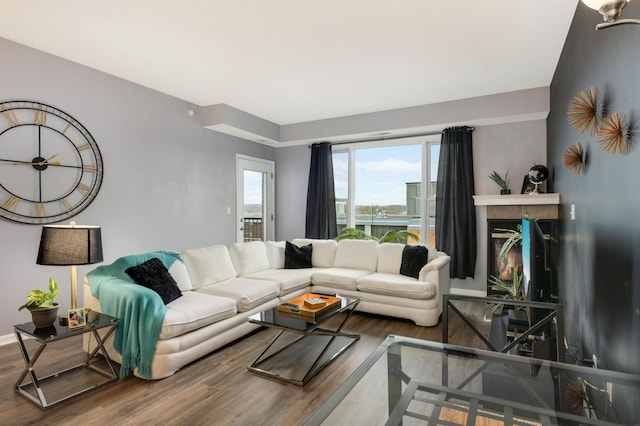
{"points": [[140, 310]]}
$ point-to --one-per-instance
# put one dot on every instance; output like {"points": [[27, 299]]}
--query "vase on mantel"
{"points": [[505, 191]]}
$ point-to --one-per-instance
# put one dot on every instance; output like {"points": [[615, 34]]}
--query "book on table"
{"points": [[310, 305]]}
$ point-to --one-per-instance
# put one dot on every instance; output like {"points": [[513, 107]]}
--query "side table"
{"points": [[33, 389]]}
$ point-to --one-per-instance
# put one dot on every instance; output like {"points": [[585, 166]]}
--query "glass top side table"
{"points": [[32, 388]]}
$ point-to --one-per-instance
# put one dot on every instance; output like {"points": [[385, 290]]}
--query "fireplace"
{"points": [[505, 212]]}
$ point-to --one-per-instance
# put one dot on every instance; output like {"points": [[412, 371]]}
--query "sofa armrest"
{"points": [[437, 272]]}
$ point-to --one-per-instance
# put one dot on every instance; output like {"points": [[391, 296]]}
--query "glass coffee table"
{"points": [[302, 348], [409, 381]]}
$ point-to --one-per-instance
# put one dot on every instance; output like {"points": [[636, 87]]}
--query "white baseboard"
{"points": [[7, 339], [467, 292]]}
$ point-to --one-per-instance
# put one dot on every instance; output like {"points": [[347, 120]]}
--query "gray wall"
{"points": [[599, 271], [167, 180], [512, 146]]}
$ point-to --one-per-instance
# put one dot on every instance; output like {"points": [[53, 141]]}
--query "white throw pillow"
{"points": [[275, 253], [323, 253], [390, 257], [180, 274], [433, 253], [208, 265], [249, 257], [358, 254]]}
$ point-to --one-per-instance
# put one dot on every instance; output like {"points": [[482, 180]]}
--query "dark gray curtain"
{"points": [[321, 196], [455, 211]]}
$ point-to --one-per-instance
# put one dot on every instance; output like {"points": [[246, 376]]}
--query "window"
{"points": [[379, 188]]}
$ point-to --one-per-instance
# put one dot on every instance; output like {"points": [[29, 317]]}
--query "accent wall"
{"points": [[599, 261]]}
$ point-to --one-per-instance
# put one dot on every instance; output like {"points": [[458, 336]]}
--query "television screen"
{"points": [[536, 278]]}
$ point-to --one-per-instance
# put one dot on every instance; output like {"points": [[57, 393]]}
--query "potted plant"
{"points": [[511, 291], [389, 237], [41, 305], [503, 183]]}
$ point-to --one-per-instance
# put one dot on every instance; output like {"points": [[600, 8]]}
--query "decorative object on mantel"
{"points": [[527, 186], [503, 183], [574, 159], [610, 11], [585, 111], [614, 134], [537, 175]]}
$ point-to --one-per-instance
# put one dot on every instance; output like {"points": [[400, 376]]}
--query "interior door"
{"points": [[255, 199]]}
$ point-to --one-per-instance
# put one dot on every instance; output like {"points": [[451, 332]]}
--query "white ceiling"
{"points": [[291, 61]]}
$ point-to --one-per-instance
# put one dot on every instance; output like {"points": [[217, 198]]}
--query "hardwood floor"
{"points": [[217, 389]]}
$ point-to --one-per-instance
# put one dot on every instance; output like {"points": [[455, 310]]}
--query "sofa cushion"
{"points": [[195, 310], [155, 276], [396, 285], [288, 279], [249, 257], [324, 251], [358, 254], [413, 259], [297, 257], [390, 257], [275, 253], [339, 278], [208, 265], [247, 292]]}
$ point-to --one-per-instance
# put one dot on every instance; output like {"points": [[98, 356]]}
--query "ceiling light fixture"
{"points": [[610, 10]]}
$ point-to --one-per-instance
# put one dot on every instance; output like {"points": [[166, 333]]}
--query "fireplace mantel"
{"points": [[516, 199]]}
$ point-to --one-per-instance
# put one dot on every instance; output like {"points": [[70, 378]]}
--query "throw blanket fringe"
{"points": [[140, 310]]}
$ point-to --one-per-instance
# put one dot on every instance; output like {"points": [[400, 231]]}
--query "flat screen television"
{"points": [[536, 278]]}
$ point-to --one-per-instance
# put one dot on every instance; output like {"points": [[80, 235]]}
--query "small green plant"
{"points": [[40, 298], [401, 236], [511, 291], [503, 183], [389, 237], [515, 238], [354, 234]]}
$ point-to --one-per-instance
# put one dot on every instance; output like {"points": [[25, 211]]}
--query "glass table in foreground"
{"points": [[409, 381]]}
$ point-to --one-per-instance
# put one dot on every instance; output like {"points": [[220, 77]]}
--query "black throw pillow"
{"points": [[155, 276], [413, 259], [297, 257]]}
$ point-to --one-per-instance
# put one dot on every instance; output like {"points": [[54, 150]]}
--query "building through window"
{"points": [[379, 188]]}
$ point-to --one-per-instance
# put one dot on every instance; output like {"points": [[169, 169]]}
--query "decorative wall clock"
{"points": [[50, 165]]}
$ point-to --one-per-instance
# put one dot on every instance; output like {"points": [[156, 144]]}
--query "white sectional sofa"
{"points": [[223, 285]]}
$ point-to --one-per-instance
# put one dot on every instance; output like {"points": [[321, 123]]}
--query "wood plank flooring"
{"points": [[215, 390]]}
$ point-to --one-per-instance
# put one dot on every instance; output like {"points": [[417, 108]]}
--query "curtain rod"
{"points": [[390, 138]]}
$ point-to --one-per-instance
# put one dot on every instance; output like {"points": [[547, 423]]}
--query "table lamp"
{"points": [[70, 245]]}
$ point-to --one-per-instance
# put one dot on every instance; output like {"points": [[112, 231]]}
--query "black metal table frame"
{"points": [[317, 366], [554, 309], [41, 400]]}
